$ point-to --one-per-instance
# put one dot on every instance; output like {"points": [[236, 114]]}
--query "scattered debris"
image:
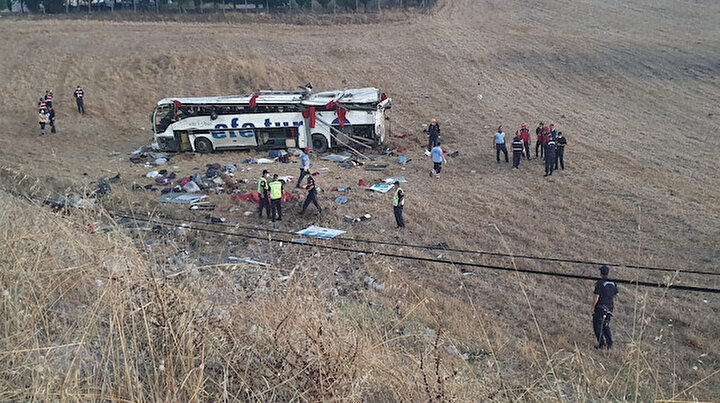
{"points": [[341, 199], [381, 187], [454, 154], [374, 167], [248, 260], [402, 160], [336, 158], [365, 217], [372, 283], [299, 240], [320, 232], [394, 179], [181, 198]]}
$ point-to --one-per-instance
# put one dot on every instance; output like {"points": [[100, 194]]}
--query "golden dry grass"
{"points": [[633, 85]]}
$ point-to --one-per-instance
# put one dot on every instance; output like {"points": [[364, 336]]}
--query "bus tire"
{"points": [[203, 145], [319, 143]]}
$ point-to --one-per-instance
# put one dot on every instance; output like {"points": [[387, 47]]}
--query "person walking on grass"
{"points": [[438, 157], [263, 190], [49, 99], [398, 204], [525, 136], [433, 132], [42, 120], [500, 144], [602, 309], [79, 95], [51, 119], [517, 148], [276, 192], [311, 195], [550, 147], [304, 165], [560, 153]]}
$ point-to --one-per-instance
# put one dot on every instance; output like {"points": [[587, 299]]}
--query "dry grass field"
{"points": [[126, 316]]}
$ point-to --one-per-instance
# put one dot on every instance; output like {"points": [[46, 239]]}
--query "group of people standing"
{"points": [[270, 193], [46, 111], [550, 145]]}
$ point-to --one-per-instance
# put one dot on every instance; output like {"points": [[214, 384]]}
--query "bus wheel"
{"points": [[319, 143], [203, 145]]}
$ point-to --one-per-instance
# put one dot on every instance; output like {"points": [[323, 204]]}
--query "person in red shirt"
{"points": [[524, 134]]}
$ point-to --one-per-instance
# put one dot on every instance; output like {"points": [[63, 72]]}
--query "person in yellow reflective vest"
{"points": [[276, 191], [263, 190], [398, 203]]}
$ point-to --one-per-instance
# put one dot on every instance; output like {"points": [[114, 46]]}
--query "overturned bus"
{"points": [[272, 120]]}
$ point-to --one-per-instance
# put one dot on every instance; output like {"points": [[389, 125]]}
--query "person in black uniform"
{"points": [[433, 132], [517, 147], [263, 194], [605, 291], [311, 195], [550, 156], [560, 153]]}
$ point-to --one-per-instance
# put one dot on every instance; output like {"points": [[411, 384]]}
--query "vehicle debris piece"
{"points": [[381, 187], [335, 158], [181, 198], [320, 232]]}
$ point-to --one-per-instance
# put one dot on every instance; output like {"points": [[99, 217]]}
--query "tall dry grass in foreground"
{"points": [[87, 318], [91, 316]]}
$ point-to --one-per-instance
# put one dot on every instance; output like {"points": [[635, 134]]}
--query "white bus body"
{"points": [[271, 120]]}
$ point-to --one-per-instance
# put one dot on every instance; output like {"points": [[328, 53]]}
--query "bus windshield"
{"points": [[163, 118]]}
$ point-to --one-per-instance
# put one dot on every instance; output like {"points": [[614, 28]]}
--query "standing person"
{"points": [[500, 144], [304, 165], [42, 119], [602, 310], [552, 131], [48, 99], [539, 143], [276, 192], [51, 119], [311, 195], [550, 146], [263, 190], [438, 157], [398, 204], [560, 153], [433, 132], [517, 148], [525, 136], [80, 99], [41, 104]]}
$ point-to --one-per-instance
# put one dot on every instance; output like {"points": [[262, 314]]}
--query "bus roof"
{"points": [[350, 96]]}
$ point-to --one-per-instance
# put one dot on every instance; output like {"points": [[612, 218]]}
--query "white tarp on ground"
{"points": [[182, 198], [381, 187], [320, 232]]}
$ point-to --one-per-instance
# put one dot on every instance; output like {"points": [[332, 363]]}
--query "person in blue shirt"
{"points": [[304, 166], [500, 144], [437, 158], [603, 306]]}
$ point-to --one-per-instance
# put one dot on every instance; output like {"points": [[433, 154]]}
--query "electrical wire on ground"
{"points": [[462, 251], [433, 260]]}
